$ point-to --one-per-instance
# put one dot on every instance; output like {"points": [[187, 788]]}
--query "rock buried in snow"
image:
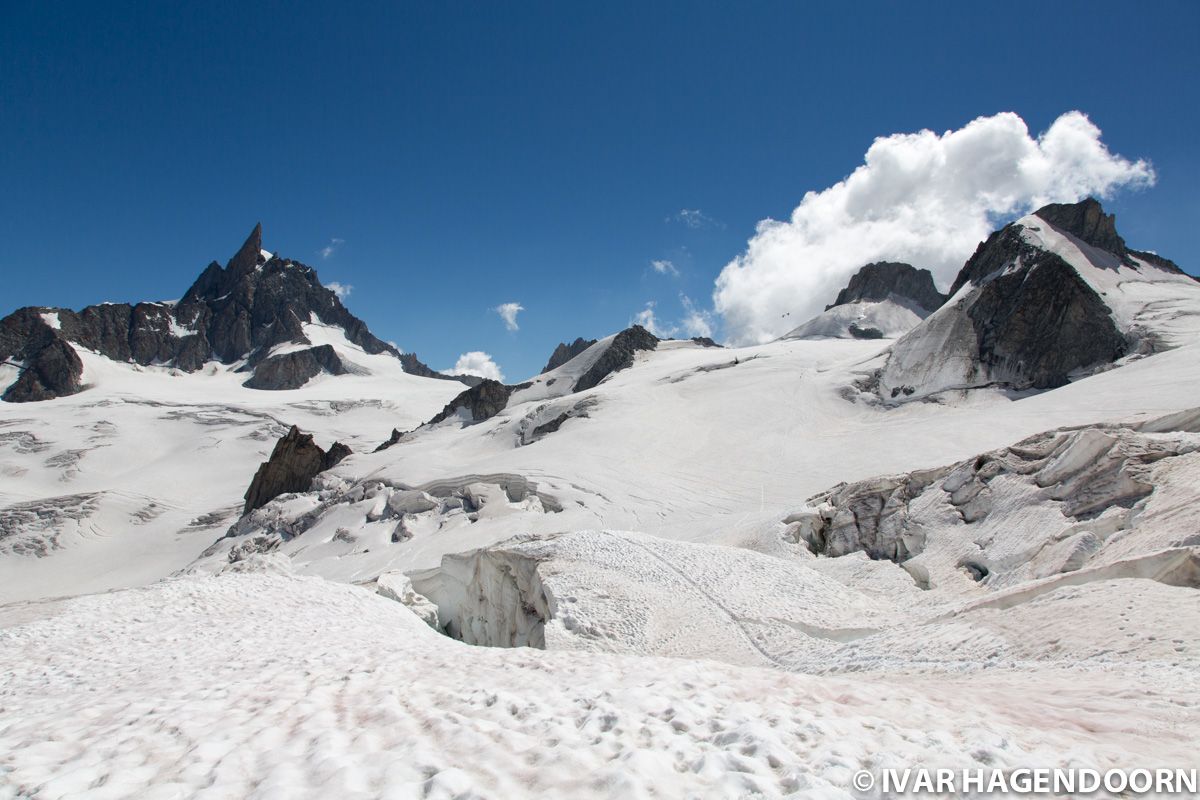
{"points": [[293, 370]]}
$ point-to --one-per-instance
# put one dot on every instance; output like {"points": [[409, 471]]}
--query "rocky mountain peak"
{"points": [[1086, 221], [565, 352], [249, 255], [875, 282], [1023, 316], [236, 313]]}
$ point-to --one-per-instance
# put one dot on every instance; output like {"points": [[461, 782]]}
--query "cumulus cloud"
{"points": [[664, 267], [476, 362], [695, 219], [332, 247], [646, 319], [695, 321], [508, 312], [921, 198], [342, 290]]}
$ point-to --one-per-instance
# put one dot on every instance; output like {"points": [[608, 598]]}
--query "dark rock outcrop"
{"points": [[1027, 320], [482, 402], [1040, 324], [394, 439], [565, 352], [52, 370], [705, 341], [618, 356], [232, 313], [293, 370], [49, 366], [875, 282], [413, 366], [293, 464], [1086, 221], [864, 331]]}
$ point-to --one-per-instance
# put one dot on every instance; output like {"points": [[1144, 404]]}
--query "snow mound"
{"points": [[884, 319]]}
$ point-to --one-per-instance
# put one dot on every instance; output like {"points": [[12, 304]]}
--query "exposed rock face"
{"points": [[1043, 323], [618, 356], [1028, 320], [482, 402], [705, 341], [875, 282], [237, 312], [565, 352], [293, 370], [394, 439], [50, 366], [1087, 221], [293, 464]]}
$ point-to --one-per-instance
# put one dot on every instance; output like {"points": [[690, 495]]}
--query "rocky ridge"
{"points": [[234, 313], [565, 352], [618, 356]]}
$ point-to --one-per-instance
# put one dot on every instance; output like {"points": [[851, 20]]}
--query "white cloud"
{"points": [[508, 312], [695, 219], [342, 290], [478, 363], [696, 321], [646, 319], [332, 247], [922, 198], [664, 267]]}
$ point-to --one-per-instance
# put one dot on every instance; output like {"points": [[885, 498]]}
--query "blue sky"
{"points": [[468, 155]]}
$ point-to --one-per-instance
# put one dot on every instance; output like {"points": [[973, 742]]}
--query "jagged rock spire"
{"points": [[247, 257]]}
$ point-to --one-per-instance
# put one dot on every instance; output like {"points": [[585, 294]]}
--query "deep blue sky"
{"points": [[473, 154]]}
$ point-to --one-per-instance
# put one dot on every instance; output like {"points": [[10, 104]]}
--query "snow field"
{"points": [[231, 686]]}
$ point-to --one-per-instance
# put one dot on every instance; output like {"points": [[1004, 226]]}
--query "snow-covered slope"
{"points": [[1016, 572], [883, 319], [134, 478], [259, 686]]}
